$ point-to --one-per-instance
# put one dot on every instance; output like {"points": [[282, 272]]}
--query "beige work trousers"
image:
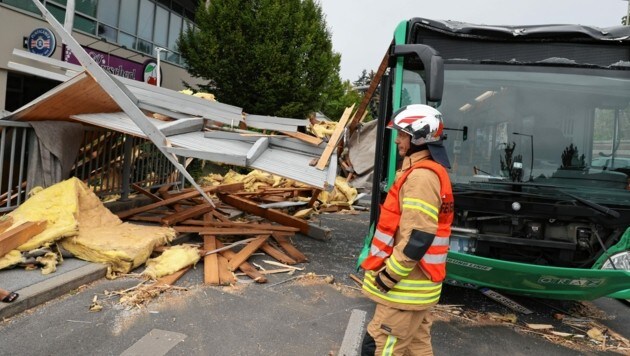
{"points": [[401, 332]]}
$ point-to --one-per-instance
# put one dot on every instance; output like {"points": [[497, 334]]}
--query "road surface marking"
{"points": [[155, 343], [352, 339]]}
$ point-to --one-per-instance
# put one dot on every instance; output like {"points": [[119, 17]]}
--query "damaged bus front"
{"points": [[538, 134]]}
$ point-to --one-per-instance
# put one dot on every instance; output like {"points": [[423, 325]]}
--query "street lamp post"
{"points": [[159, 51]]}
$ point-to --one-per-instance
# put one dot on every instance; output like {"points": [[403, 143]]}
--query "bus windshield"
{"points": [[560, 125]]}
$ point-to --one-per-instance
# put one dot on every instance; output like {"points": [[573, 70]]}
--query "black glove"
{"points": [[383, 281]]}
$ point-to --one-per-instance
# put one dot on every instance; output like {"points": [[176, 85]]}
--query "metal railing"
{"points": [[104, 159]]}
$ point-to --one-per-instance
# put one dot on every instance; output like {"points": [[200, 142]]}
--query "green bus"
{"points": [[537, 120]]}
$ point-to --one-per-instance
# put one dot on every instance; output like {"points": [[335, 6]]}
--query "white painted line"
{"points": [[351, 344], [155, 343]]}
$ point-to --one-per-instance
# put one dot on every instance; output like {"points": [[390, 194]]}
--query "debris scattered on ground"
{"points": [[577, 331]]}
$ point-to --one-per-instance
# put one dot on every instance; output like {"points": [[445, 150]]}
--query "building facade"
{"points": [[123, 36]]}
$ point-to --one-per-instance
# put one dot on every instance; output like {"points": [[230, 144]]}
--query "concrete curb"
{"points": [[51, 288]]}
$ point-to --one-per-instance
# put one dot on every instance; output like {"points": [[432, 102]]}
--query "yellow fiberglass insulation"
{"points": [[10, 259], [171, 261], [104, 238], [58, 205]]}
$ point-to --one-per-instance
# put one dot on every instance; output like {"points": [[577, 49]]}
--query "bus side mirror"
{"points": [[465, 133], [433, 67]]}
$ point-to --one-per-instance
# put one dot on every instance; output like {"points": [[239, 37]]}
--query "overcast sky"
{"points": [[362, 29]]}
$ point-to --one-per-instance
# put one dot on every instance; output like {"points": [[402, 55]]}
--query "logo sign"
{"points": [[150, 72], [469, 265], [42, 41], [576, 282], [110, 63]]}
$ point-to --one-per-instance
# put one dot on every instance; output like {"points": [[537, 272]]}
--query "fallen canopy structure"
{"points": [[92, 96]]}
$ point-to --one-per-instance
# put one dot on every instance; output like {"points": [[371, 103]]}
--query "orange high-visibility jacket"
{"points": [[433, 263]]}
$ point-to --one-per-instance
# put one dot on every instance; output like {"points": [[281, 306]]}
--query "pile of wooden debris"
{"points": [[223, 227]]}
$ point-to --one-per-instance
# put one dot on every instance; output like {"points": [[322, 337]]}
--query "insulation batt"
{"points": [[171, 261]]}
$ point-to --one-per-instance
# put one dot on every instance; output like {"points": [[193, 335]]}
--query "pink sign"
{"points": [[122, 67]]}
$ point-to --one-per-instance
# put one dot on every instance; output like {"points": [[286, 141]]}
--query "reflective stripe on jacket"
{"points": [[434, 261]]}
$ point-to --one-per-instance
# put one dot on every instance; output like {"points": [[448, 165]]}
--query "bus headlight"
{"points": [[618, 261]]}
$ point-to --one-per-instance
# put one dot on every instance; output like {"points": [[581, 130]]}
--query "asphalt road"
{"points": [[306, 316]]}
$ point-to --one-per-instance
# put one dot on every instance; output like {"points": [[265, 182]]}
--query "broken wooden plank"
{"points": [[277, 254], [314, 197], [279, 217], [172, 278], [5, 223], [288, 247], [245, 267], [185, 214], [334, 139], [175, 199], [145, 192], [246, 252], [220, 231], [210, 262], [226, 277], [17, 236], [240, 225], [313, 140], [361, 111]]}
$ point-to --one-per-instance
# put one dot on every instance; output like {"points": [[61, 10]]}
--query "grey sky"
{"points": [[361, 30]]}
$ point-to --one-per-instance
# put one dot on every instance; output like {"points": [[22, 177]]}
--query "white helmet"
{"points": [[425, 126], [422, 122]]}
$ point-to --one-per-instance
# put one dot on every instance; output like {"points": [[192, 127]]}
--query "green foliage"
{"points": [[270, 57], [341, 96]]}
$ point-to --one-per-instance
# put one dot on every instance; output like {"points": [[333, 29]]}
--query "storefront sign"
{"points": [[122, 67], [42, 41]]}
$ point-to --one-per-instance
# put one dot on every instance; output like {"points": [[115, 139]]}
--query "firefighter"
{"points": [[406, 263]]}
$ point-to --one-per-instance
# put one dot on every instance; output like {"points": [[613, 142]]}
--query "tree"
{"points": [[270, 57], [339, 95]]}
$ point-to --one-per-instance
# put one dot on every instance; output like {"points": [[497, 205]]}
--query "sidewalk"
{"points": [[34, 288]]}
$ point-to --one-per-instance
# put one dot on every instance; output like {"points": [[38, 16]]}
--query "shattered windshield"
{"points": [[561, 126]]}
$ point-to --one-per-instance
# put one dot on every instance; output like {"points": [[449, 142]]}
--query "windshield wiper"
{"points": [[597, 207]]}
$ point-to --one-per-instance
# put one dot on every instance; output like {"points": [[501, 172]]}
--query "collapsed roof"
{"points": [[91, 96]]}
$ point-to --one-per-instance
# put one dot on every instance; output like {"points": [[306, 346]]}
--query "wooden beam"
{"points": [[5, 223], [210, 262], [175, 199], [334, 139], [172, 278], [361, 111], [220, 231], [226, 277], [238, 225], [277, 216], [185, 214], [245, 267], [304, 137], [277, 254], [314, 197], [14, 238], [246, 252], [145, 192], [288, 247]]}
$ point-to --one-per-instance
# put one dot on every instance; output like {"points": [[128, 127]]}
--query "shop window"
{"points": [[87, 7], [174, 30], [144, 46], [145, 20], [84, 24], [57, 12], [108, 12], [108, 33], [126, 40], [129, 16], [161, 26], [21, 4], [60, 2]]}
